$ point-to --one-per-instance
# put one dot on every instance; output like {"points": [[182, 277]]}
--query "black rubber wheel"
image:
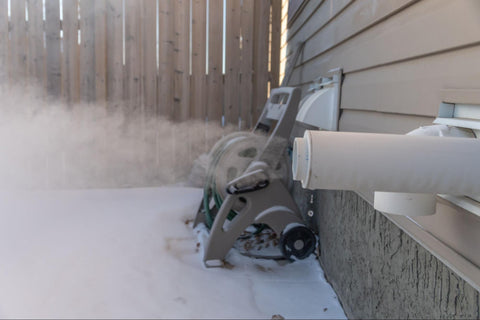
{"points": [[299, 242]]}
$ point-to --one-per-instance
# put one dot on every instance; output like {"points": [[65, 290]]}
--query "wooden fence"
{"points": [[182, 59]]}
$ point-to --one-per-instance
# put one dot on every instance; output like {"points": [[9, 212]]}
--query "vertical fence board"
{"points": [[246, 66], [182, 85], [53, 54], [275, 44], [18, 46], [260, 83], [133, 75], [114, 50], [166, 51], [87, 51], [165, 135], [215, 74], [198, 84], [149, 80], [114, 42], [150, 56], [133, 54], [53, 69], [198, 97], [36, 50], [100, 51], [182, 60], [70, 61], [232, 61], [3, 40], [185, 84], [171, 67]]}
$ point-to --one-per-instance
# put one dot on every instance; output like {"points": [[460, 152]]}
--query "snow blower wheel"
{"points": [[299, 242]]}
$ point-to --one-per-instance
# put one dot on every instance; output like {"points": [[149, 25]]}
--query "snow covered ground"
{"points": [[130, 254]]}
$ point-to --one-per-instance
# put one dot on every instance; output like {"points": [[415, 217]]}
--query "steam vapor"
{"points": [[49, 144]]}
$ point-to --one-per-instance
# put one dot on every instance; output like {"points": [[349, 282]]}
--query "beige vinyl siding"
{"points": [[397, 56], [380, 122], [313, 18], [412, 87]]}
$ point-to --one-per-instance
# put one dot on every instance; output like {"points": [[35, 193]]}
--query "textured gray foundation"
{"points": [[377, 270]]}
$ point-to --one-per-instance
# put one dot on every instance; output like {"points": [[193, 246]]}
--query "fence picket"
{"points": [[149, 63], [114, 52], [182, 60], [166, 51], [18, 43], [3, 40], [275, 43], [215, 74], [165, 135], [198, 100], [232, 62], [150, 53], [100, 51], [156, 57], [198, 84], [260, 83], [87, 50], [181, 103], [149, 80], [70, 61], [52, 38], [36, 50], [133, 54], [246, 66]]}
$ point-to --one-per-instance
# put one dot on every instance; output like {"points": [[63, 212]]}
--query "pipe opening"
{"points": [[297, 156]]}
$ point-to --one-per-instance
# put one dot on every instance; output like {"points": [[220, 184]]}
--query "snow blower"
{"points": [[246, 202]]}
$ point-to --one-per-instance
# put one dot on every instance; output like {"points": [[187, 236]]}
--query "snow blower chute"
{"points": [[246, 193]]}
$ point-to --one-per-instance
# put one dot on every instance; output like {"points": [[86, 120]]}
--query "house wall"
{"points": [[396, 55], [379, 271], [399, 57]]}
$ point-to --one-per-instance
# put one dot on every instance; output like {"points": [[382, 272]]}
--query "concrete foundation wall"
{"points": [[377, 270]]}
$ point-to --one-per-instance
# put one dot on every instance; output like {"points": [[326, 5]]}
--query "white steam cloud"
{"points": [[46, 144]]}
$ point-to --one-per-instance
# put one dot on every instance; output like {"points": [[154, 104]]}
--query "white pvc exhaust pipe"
{"points": [[417, 204], [387, 162], [407, 204]]}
